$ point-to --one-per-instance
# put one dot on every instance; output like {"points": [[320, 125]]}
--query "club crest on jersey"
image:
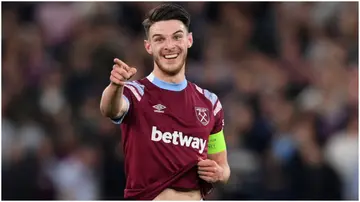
{"points": [[203, 115]]}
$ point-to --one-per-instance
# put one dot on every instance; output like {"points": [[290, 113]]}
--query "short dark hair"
{"points": [[166, 12]]}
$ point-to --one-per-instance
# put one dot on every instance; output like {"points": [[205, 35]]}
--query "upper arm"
{"points": [[217, 143], [132, 95], [217, 148], [125, 106]]}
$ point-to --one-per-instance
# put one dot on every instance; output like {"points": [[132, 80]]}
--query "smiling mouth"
{"points": [[172, 56]]}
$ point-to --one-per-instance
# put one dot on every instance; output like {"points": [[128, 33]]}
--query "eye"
{"points": [[178, 37], [159, 39]]}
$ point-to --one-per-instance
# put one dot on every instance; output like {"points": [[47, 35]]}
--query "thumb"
{"points": [[132, 70]]}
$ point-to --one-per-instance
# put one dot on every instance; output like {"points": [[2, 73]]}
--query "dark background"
{"points": [[286, 74]]}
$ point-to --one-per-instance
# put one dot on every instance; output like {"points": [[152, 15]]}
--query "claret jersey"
{"points": [[164, 133]]}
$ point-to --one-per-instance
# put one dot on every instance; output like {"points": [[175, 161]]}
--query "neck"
{"points": [[177, 78]]}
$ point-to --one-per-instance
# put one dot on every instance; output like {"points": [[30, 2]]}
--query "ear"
{"points": [[190, 39], [148, 47]]}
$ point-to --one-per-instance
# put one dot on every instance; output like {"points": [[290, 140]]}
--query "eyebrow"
{"points": [[172, 34]]}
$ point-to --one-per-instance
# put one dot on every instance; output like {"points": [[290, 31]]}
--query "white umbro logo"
{"points": [[159, 108]]}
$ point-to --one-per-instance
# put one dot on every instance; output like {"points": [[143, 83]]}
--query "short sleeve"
{"points": [[217, 111], [219, 117]]}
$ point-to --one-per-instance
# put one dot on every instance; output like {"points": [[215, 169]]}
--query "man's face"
{"points": [[168, 42]]}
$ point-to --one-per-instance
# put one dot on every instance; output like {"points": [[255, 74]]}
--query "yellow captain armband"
{"points": [[216, 143]]}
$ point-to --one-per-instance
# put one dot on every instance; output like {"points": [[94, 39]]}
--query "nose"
{"points": [[169, 44]]}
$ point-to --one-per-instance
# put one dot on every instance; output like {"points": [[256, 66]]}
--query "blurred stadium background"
{"points": [[286, 73]]}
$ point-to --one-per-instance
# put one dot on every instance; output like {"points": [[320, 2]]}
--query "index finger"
{"points": [[122, 64], [206, 162]]}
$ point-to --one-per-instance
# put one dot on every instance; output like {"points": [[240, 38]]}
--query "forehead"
{"points": [[167, 27]]}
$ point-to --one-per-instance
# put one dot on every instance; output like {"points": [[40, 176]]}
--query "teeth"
{"points": [[171, 56]]}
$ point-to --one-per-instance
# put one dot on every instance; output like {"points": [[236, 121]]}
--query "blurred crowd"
{"points": [[286, 74]]}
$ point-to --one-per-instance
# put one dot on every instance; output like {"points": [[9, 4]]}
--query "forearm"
{"points": [[217, 152], [111, 103], [226, 173], [223, 167]]}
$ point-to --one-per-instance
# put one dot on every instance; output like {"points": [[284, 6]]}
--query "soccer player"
{"points": [[172, 130]]}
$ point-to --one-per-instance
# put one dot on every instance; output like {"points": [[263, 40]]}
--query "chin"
{"points": [[170, 69]]}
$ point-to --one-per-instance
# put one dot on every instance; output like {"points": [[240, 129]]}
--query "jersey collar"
{"points": [[166, 85]]}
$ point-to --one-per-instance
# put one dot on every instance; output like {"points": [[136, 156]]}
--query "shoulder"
{"points": [[135, 88], [205, 93]]}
